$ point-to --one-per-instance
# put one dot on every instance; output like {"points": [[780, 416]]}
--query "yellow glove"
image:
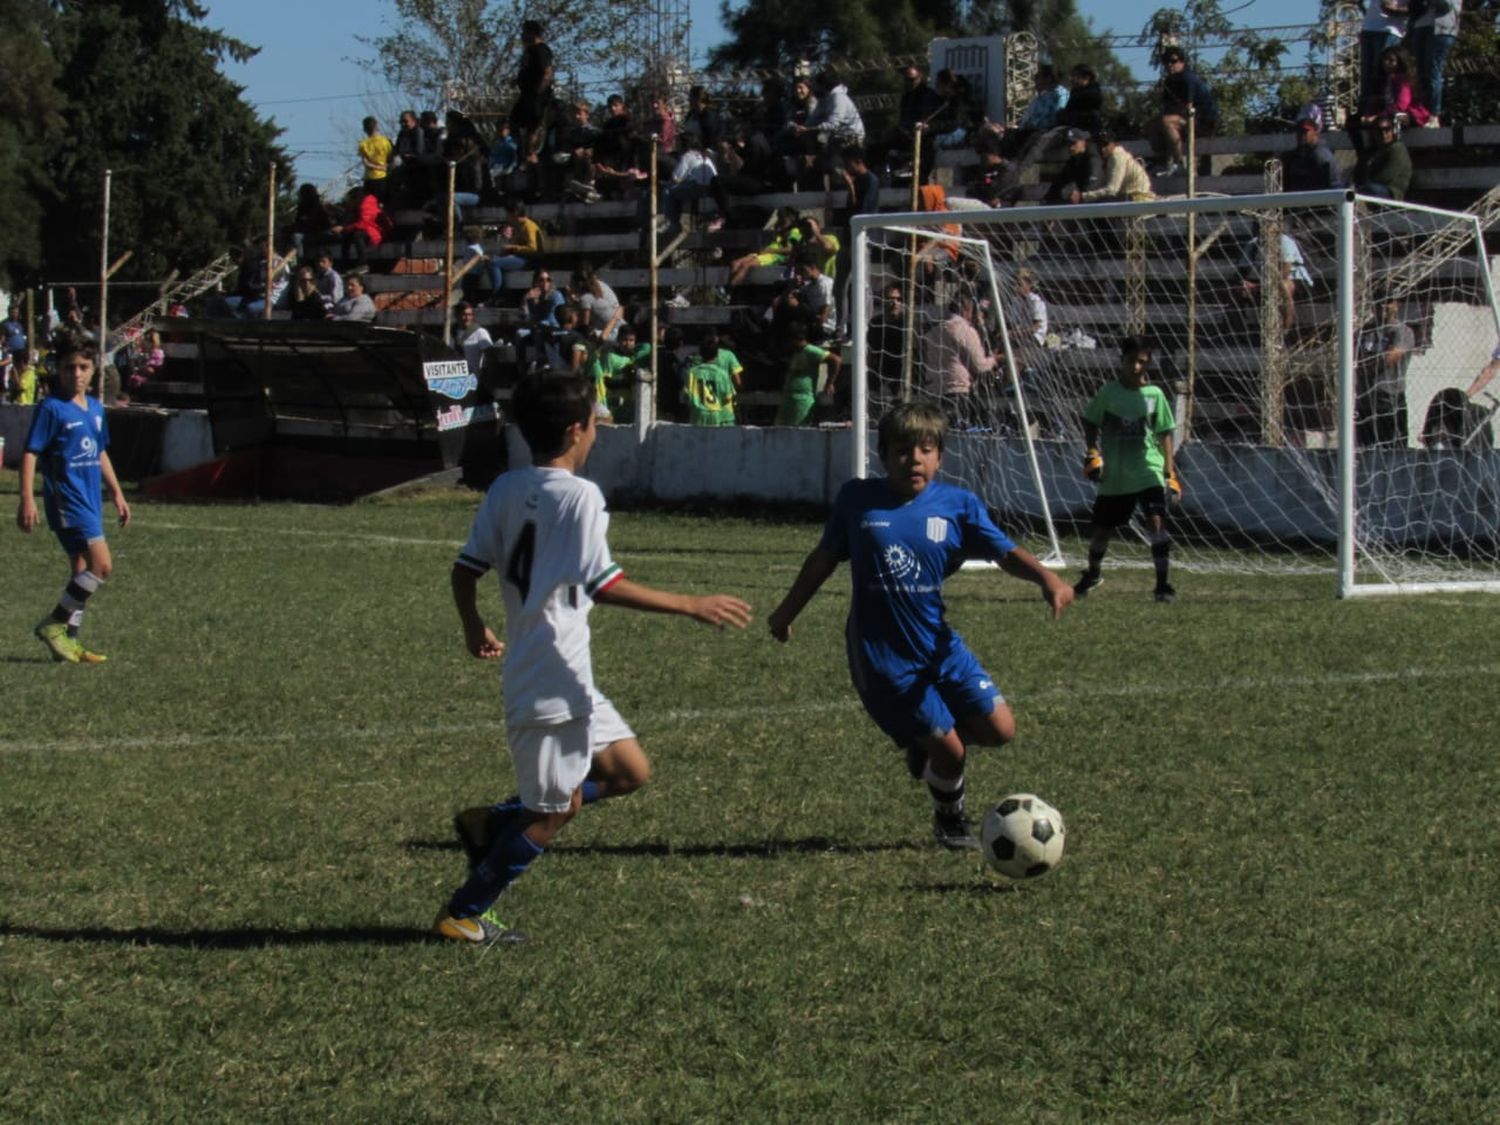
{"points": [[1093, 464], [1174, 490]]}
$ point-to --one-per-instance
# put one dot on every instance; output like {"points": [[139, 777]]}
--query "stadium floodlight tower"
{"points": [[1322, 425]]}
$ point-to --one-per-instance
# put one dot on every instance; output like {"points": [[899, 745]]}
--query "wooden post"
{"points": [[911, 265], [448, 258], [270, 237], [645, 397], [103, 290]]}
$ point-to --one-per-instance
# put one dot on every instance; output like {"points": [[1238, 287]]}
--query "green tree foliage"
{"points": [[1473, 90], [775, 34], [475, 46], [144, 97], [132, 86], [32, 103]]}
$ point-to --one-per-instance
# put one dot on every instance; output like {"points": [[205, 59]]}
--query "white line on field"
{"points": [[386, 732]]}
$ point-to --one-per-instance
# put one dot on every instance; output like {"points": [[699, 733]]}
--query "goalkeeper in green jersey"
{"points": [[1128, 427]]}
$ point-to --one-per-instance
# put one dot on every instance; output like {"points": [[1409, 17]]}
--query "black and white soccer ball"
{"points": [[1023, 836]]}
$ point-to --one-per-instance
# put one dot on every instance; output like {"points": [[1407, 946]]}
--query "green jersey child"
{"points": [[1128, 427], [799, 392]]}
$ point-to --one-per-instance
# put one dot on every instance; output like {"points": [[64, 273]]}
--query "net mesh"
{"points": [[1011, 319]]}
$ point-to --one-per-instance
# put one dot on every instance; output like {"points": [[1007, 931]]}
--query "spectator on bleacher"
{"points": [[1384, 170], [1081, 172], [505, 154], [539, 307], [664, 126], [355, 304], [746, 164], [363, 228], [13, 331], [614, 370], [1181, 91], [937, 251], [572, 164], [465, 149], [960, 115], [617, 164], [600, 307], [472, 338], [1123, 177], [531, 114], [312, 222], [893, 152], [302, 298], [375, 157], [703, 122], [954, 359], [694, 176], [1432, 36], [1310, 166], [1295, 276], [330, 284], [1380, 380], [249, 296], [815, 294], [409, 163], [519, 246], [567, 349], [861, 185], [1396, 96], [835, 124], [885, 345], [1384, 27], [800, 389], [1085, 108], [785, 236], [23, 379], [1049, 99], [994, 181]]}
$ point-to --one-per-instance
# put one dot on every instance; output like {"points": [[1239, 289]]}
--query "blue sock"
{"points": [[590, 791], [505, 862]]}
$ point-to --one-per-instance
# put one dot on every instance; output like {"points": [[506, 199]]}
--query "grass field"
{"points": [[223, 849]]}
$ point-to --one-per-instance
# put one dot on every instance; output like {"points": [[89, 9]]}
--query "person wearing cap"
{"points": [[1385, 170], [1082, 171], [1124, 178], [1181, 91], [1310, 166]]}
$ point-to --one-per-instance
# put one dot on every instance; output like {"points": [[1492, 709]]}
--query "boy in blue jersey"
{"points": [[68, 439], [903, 535], [1128, 429]]}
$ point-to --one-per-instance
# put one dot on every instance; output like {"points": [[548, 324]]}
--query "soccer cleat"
{"points": [[954, 831], [1165, 593], [1087, 582], [483, 929], [64, 649], [86, 656]]}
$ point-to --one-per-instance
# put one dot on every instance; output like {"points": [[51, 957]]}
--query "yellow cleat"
{"points": [[485, 929], [86, 656], [64, 649]]}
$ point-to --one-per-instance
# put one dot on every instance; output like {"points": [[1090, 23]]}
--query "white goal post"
{"points": [[1316, 346]]}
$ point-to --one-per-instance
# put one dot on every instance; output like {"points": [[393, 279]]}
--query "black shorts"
{"points": [[1116, 510]]}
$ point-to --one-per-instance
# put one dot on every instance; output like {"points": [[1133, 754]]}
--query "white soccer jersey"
{"points": [[544, 531]]}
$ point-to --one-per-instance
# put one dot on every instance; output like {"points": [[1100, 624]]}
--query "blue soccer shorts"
{"points": [[960, 687], [76, 540]]}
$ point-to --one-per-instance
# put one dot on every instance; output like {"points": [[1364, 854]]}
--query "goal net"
{"points": [[1316, 348]]}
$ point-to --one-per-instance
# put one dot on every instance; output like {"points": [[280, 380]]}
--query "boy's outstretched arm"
{"points": [[815, 571], [477, 636], [711, 609], [1021, 563]]}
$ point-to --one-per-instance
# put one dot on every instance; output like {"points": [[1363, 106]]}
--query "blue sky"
{"points": [[309, 78]]}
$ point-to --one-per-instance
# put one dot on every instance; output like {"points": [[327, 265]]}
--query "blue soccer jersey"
{"points": [[67, 440], [899, 552]]}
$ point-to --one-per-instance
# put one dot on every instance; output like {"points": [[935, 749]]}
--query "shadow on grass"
{"points": [[249, 937], [972, 888], [759, 849]]}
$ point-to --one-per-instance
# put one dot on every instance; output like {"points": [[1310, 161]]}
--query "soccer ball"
{"points": [[1023, 837]]}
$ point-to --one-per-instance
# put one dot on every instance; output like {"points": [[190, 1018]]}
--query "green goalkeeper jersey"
{"points": [[1131, 423]]}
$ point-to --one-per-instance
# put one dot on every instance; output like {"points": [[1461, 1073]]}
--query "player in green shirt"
{"points": [[611, 369], [799, 392], [1128, 427], [709, 394]]}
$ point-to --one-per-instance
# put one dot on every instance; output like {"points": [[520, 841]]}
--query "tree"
{"points": [[474, 46], [776, 34], [32, 103]]}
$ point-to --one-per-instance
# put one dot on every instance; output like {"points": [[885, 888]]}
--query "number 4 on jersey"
{"points": [[518, 566]]}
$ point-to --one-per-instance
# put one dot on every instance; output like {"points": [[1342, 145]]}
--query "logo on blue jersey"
{"points": [[899, 562], [937, 529]]}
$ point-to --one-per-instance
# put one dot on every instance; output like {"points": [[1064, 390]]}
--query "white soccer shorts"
{"points": [[552, 761]]}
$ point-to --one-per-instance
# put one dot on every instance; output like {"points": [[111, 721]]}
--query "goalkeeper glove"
{"points": [[1174, 490], [1093, 464]]}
